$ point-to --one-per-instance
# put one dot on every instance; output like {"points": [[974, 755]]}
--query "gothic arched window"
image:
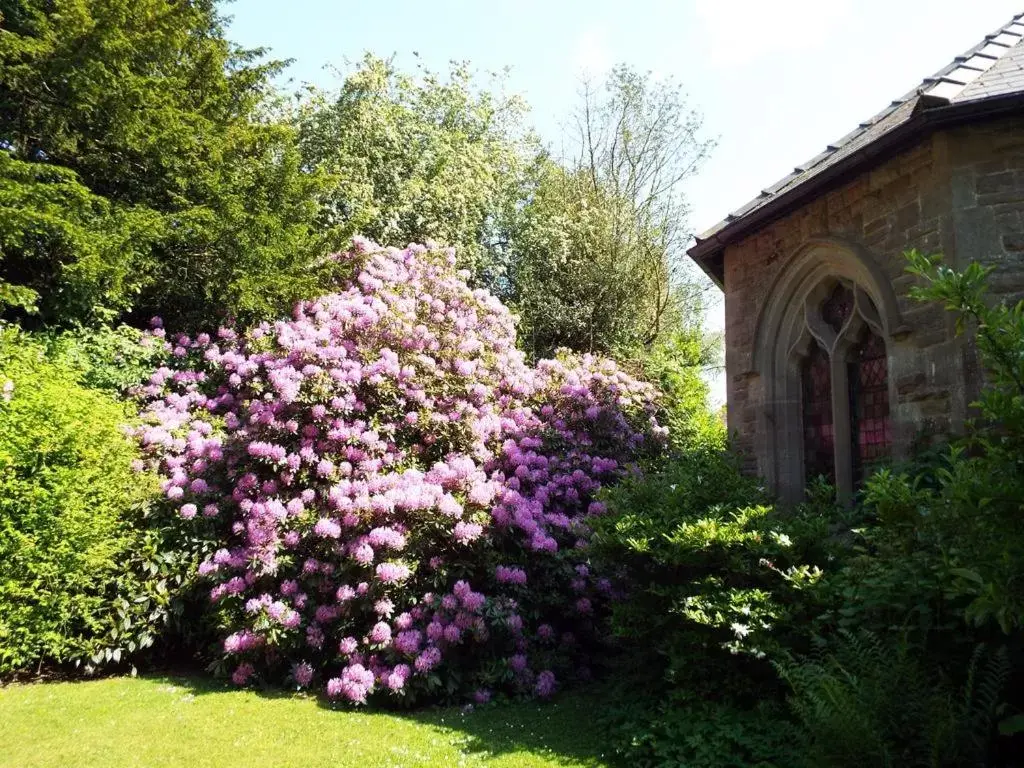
{"points": [[844, 386], [818, 370]]}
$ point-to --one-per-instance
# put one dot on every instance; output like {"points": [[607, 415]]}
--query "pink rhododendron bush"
{"points": [[393, 502]]}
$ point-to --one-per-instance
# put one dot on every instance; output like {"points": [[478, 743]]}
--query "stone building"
{"points": [[830, 365]]}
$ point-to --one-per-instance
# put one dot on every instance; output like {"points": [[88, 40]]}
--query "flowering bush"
{"points": [[394, 502]]}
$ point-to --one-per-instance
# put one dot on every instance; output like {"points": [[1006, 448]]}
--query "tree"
{"points": [[65, 248], [418, 158], [595, 258], [152, 168], [562, 272], [143, 113]]}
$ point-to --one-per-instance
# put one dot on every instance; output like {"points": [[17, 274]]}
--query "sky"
{"points": [[776, 80]]}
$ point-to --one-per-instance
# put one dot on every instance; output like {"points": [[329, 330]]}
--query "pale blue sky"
{"points": [[776, 80]]}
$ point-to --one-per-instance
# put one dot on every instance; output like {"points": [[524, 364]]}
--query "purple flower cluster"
{"points": [[387, 489]]}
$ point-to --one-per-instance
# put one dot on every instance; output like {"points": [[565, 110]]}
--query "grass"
{"points": [[181, 721]]}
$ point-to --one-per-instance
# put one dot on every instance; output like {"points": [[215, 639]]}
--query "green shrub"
{"points": [[81, 580], [939, 557], [972, 518], [939, 547], [894, 578], [718, 582], [715, 574], [882, 652], [935, 567], [111, 359]]}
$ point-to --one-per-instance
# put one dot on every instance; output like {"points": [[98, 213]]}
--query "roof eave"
{"points": [[928, 116]]}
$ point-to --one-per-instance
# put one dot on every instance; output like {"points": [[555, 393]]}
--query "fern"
{"points": [[869, 701], [987, 677]]}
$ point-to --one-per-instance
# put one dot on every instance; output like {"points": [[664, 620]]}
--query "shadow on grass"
{"points": [[566, 729]]}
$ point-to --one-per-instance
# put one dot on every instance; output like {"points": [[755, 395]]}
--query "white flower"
{"points": [[741, 630]]}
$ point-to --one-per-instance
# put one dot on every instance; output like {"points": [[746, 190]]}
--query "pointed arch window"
{"points": [[818, 371], [844, 386]]}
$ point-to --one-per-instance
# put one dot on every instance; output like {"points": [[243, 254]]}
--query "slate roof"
{"points": [[992, 69]]}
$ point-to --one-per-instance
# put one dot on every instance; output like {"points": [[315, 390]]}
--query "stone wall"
{"points": [[987, 193], [959, 191]]}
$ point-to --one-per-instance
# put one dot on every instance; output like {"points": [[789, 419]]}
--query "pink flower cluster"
{"points": [[387, 490]]}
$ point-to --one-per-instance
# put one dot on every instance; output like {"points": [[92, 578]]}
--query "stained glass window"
{"points": [[819, 435], [871, 428], [838, 307], [869, 431]]}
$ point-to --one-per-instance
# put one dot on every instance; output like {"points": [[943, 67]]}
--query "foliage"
{"points": [[893, 578], [587, 253], [676, 365], [972, 516], [873, 702], [679, 728], [594, 259], [69, 723], [111, 359], [938, 556], [81, 579], [147, 165], [65, 249], [716, 577], [140, 169], [933, 569], [399, 501], [571, 282], [412, 159]]}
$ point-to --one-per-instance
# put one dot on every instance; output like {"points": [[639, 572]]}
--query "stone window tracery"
{"points": [[844, 386], [818, 371], [838, 307]]}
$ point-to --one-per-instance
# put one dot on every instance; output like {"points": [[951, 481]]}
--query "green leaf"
{"points": [[1012, 725], [966, 573]]}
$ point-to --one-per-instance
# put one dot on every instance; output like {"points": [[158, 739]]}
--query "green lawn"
{"points": [[179, 721]]}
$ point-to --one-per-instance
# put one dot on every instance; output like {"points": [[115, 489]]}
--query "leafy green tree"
{"points": [[578, 272], [594, 259], [150, 167], [677, 364], [587, 249], [158, 175], [413, 158], [66, 250]]}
